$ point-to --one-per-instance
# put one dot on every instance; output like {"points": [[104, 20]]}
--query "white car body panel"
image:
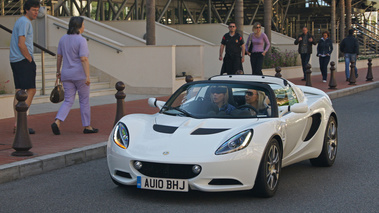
{"points": [[181, 147]]}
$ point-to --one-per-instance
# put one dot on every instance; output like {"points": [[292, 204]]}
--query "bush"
{"points": [[276, 58]]}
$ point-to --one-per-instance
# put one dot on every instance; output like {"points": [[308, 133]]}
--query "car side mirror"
{"points": [[153, 102], [298, 108]]}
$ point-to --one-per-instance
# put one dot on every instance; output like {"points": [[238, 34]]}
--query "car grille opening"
{"points": [[161, 170], [224, 182], [123, 174]]}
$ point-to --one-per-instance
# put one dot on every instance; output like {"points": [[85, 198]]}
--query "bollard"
{"points": [[120, 96], [308, 73], [369, 76], [278, 70], [352, 78], [22, 142], [332, 82], [189, 78]]}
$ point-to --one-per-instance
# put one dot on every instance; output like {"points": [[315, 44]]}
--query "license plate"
{"points": [[162, 184]]}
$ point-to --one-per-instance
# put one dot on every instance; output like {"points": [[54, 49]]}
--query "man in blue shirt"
{"points": [[21, 53]]}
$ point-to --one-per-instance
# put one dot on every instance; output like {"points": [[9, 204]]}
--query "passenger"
{"points": [[255, 102], [220, 97]]}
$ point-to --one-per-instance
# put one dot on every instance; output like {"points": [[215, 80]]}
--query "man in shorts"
{"points": [[21, 53]]}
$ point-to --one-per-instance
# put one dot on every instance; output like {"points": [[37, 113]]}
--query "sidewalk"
{"points": [[73, 147]]}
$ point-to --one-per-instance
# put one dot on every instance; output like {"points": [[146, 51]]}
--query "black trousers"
{"points": [[231, 64], [324, 61], [304, 61], [256, 61]]}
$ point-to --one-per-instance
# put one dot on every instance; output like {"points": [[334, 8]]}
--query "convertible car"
{"points": [[230, 132]]}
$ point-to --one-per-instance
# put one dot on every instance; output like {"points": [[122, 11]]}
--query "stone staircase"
{"points": [[98, 87]]}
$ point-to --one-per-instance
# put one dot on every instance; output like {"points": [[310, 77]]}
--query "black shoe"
{"points": [[31, 131], [88, 131], [303, 79], [347, 79], [55, 129]]}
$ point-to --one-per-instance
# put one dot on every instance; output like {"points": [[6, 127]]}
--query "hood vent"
{"points": [[205, 131], [164, 129]]}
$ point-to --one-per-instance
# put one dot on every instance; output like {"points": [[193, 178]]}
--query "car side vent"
{"points": [[316, 121], [224, 182], [164, 129], [123, 174], [205, 131]]}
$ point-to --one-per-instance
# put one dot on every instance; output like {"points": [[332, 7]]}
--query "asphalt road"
{"points": [[351, 185]]}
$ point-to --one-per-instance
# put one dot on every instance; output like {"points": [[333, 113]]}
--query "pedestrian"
{"points": [[234, 47], [255, 48], [305, 41], [21, 55], [324, 50], [350, 48], [73, 51]]}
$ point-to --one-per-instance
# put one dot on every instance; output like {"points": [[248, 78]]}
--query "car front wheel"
{"points": [[267, 180], [329, 149]]}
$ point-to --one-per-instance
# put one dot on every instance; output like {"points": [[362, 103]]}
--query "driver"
{"points": [[220, 97], [255, 102]]}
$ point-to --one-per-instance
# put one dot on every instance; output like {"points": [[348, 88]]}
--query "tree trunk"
{"points": [[150, 22], [348, 14], [267, 18], [333, 21], [239, 16], [342, 18]]}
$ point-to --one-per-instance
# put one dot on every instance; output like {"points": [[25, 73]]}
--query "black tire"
{"points": [[267, 180], [329, 149]]}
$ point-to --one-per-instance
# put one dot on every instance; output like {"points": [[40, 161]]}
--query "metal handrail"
{"points": [[91, 38], [35, 44]]}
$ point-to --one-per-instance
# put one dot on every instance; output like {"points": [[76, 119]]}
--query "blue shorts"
{"points": [[24, 74]]}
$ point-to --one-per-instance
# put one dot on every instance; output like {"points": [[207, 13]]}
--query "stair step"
{"points": [[51, 82], [94, 86], [93, 93]]}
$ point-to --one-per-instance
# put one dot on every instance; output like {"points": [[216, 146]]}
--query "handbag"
{"points": [[57, 95]]}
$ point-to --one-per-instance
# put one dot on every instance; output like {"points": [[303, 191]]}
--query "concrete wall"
{"points": [[6, 72], [166, 35], [144, 69]]}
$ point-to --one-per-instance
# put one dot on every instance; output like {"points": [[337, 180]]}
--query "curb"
{"points": [[352, 90], [38, 165], [46, 163]]}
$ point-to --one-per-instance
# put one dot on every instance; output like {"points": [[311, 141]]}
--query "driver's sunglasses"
{"points": [[249, 93]]}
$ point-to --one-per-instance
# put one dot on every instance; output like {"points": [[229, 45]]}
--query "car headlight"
{"points": [[235, 143], [121, 136]]}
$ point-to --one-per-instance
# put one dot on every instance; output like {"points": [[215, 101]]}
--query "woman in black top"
{"points": [[324, 50]]}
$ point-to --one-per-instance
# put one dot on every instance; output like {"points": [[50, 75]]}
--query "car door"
{"points": [[294, 125]]}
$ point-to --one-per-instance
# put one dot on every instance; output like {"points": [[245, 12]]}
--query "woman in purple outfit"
{"points": [[258, 40], [73, 51]]}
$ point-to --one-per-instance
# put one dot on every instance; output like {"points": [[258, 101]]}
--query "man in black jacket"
{"points": [[305, 41], [234, 47], [350, 48]]}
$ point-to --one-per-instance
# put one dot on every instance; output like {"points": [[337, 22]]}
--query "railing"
{"points": [[91, 38], [42, 58], [11, 7], [369, 43]]}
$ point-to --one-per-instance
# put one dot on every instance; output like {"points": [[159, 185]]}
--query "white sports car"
{"points": [[231, 132]]}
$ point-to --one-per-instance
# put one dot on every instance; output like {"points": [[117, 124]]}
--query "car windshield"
{"points": [[220, 100]]}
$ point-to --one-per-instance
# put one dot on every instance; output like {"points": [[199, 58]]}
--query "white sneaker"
{"points": [[324, 81]]}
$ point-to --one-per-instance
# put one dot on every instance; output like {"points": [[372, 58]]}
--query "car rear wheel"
{"points": [[329, 149], [267, 180]]}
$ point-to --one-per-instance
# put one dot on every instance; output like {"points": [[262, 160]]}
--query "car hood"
{"points": [[162, 137]]}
